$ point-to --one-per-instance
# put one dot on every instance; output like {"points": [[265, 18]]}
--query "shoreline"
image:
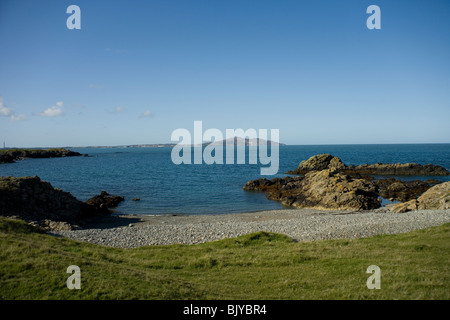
{"points": [[299, 224]]}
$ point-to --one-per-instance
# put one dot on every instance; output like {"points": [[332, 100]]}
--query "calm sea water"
{"points": [[166, 188]]}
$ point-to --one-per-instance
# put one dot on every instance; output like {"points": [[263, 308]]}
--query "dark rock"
{"points": [[398, 190], [31, 199], [103, 202], [11, 155], [37, 202]]}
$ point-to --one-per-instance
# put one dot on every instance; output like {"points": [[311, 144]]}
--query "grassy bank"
{"points": [[257, 266]]}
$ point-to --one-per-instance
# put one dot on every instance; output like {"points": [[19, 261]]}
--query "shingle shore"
{"points": [[299, 224]]}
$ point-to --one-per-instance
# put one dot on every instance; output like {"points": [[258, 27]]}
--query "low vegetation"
{"points": [[262, 265]]}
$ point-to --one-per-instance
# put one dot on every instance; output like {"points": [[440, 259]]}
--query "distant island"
{"points": [[153, 145], [238, 141]]}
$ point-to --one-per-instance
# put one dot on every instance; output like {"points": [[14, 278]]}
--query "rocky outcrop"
{"points": [[317, 163], [325, 190], [437, 197], [11, 155], [327, 161], [103, 202], [36, 201], [399, 190], [32, 200]]}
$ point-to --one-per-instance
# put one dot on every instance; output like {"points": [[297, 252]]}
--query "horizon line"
{"points": [[165, 145]]}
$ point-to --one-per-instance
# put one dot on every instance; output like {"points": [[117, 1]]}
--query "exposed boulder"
{"points": [[325, 190], [405, 206], [437, 197], [103, 202], [317, 163]]}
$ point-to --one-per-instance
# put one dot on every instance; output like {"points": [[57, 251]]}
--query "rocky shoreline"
{"points": [[324, 182]]}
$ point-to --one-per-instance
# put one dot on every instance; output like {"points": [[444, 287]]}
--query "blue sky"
{"points": [[137, 70]]}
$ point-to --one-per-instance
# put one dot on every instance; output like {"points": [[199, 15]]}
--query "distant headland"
{"points": [[12, 155]]}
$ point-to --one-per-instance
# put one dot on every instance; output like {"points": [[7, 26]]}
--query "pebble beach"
{"points": [[132, 231]]}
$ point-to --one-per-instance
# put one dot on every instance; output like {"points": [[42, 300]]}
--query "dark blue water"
{"points": [[166, 188]]}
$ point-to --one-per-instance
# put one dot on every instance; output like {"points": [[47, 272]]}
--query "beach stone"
{"points": [[405, 206]]}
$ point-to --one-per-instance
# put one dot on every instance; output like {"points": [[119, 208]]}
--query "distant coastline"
{"points": [[237, 141]]}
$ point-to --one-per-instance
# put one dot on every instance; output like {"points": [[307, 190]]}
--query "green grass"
{"points": [[256, 266]]}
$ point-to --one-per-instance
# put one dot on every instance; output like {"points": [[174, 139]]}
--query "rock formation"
{"points": [[330, 184], [103, 202], [325, 190], [437, 197], [399, 190], [327, 161], [36, 201]]}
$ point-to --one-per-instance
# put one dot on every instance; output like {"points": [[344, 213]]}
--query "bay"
{"points": [[165, 188]]}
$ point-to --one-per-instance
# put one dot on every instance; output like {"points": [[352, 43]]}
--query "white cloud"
{"points": [[146, 114], [5, 111], [8, 112], [54, 111]]}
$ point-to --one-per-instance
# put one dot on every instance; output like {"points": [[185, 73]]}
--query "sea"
{"points": [[165, 188]]}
